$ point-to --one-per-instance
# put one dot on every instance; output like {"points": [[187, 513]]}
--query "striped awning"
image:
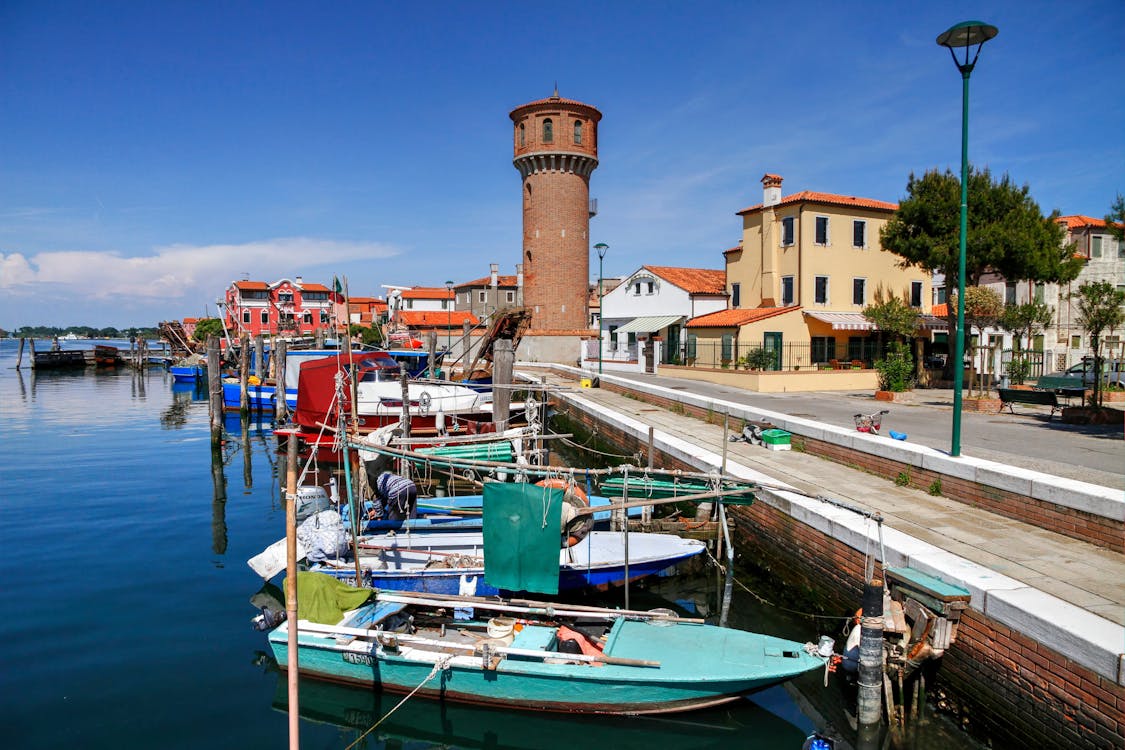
{"points": [[843, 321], [851, 321], [649, 324]]}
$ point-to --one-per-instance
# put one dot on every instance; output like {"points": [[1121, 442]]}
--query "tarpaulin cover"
{"points": [[324, 599], [522, 535]]}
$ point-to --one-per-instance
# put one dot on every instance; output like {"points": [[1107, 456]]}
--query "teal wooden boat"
{"points": [[540, 656]]}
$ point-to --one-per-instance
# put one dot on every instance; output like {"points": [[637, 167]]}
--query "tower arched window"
{"points": [[523, 135], [548, 131], [578, 132]]}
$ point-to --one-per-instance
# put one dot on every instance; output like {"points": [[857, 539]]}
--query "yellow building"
{"points": [[813, 260]]}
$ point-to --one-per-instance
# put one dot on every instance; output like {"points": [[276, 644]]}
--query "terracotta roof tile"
{"points": [[422, 292], [314, 288], [487, 281], [1078, 221], [940, 311], [732, 249], [437, 318], [693, 280], [738, 317], [255, 285], [810, 196]]}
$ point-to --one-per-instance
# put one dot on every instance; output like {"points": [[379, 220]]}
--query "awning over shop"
{"points": [[843, 321], [650, 324], [851, 321]]}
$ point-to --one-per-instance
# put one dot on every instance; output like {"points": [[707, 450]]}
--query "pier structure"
{"points": [[1043, 632]]}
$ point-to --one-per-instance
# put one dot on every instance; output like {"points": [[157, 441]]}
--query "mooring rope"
{"points": [[767, 602], [439, 666]]}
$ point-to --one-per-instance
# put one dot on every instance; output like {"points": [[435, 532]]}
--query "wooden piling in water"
{"points": [[869, 701], [431, 347], [291, 591], [260, 357], [503, 359], [244, 375], [215, 389], [280, 408], [19, 355]]}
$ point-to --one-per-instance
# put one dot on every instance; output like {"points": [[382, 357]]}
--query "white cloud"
{"points": [[177, 271]]}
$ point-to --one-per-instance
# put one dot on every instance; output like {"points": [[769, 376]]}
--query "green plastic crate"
{"points": [[776, 439]]}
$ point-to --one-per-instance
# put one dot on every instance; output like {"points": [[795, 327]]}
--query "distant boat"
{"points": [[182, 373], [61, 359], [538, 656]]}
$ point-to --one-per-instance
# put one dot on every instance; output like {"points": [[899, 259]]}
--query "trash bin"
{"points": [[776, 440]]}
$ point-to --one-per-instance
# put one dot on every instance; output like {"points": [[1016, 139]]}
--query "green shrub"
{"points": [[935, 487], [758, 358], [903, 479], [1018, 370], [896, 369]]}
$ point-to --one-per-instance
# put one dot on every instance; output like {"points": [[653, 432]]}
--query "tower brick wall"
{"points": [[555, 150]]}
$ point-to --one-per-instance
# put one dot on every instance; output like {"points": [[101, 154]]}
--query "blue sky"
{"points": [[152, 152]]}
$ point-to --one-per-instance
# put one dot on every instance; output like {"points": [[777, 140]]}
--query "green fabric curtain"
{"points": [[324, 599], [522, 536]]}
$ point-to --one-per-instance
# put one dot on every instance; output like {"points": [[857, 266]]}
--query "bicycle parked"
{"points": [[871, 423]]}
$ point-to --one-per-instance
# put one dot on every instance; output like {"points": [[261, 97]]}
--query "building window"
{"points": [[548, 131], [308, 317], [786, 291], [285, 298], [523, 135], [637, 289], [482, 296], [650, 288], [1121, 248], [246, 317], [510, 297], [1075, 342], [578, 132], [787, 231], [1010, 293], [823, 348], [1040, 291], [915, 293], [265, 317], [859, 233], [613, 336], [820, 290], [939, 296], [445, 304], [324, 317], [821, 230], [1096, 246], [409, 304], [859, 291], [736, 295]]}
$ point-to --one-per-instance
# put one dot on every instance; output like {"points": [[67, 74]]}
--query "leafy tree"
{"points": [[1100, 308], [1027, 320], [207, 327], [896, 369], [893, 316], [371, 335], [1007, 233], [1115, 219], [983, 308]]}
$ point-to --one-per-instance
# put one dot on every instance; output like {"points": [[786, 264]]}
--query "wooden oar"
{"points": [[528, 606], [384, 637]]}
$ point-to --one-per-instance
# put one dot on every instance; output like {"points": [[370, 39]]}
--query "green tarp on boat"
{"points": [[324, 599], [522, 534]]}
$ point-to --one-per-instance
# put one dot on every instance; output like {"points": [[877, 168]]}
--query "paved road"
{"points": [[1029, 439]]}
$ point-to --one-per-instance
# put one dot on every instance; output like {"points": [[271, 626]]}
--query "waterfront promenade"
{"points": [[1090, 577]]}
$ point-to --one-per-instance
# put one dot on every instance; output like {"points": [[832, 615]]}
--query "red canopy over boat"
{"points": [[316, 389]]}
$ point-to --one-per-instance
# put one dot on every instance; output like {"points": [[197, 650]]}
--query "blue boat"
{"points": [[187, 373], [262, 395], [536, 656], [469, 506], [452, 562]]}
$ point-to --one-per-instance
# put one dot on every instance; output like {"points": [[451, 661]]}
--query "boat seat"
{"points": [[535, 637]]}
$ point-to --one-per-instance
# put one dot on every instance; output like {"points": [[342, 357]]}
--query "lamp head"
{"points": [[601, 247], [966, 34]]}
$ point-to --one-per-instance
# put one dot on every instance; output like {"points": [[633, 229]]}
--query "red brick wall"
{"points": [[556, 247]]}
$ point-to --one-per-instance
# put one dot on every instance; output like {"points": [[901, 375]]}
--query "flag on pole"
{"points": [[337, 293]]}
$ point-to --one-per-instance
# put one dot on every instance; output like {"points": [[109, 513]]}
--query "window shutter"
{"points": [[728, 345], [689, 349]]}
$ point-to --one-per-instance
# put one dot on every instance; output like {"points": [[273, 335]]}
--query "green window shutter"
{"points": [[690, 349], [728, 345]]}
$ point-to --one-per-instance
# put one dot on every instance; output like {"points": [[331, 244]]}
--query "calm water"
{"points": [[125, 620]]}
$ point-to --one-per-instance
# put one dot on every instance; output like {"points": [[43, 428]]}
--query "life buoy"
{"points": [[574, 529]]}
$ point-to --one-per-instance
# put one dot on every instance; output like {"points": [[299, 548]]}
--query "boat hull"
{"points": [[699, 666], [186, 373]]}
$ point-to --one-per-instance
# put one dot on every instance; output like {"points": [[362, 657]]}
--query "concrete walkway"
{"points": [[1081, 574], [1029, 438]]}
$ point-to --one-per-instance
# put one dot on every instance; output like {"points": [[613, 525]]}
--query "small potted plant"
{"points": [[896, 372]]}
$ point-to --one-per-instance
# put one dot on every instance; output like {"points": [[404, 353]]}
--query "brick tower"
{"points": [[556, 150]]}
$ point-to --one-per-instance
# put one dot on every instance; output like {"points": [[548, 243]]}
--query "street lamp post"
{"points": [[601, 247], [963, 36], [449, 318]]}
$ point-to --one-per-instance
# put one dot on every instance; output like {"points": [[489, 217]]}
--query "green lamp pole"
{"points": [[449, 318], [601, 247], [963, 36]]}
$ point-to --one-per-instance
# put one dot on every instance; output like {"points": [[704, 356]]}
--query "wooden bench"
{"points": [[1009, 396]]}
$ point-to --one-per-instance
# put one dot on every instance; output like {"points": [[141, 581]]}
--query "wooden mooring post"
{"points": [[215, 389], [871, 671], [243, 375], [291, 591], [280, 408], [19, 354], [260, 368], [503, 359]]}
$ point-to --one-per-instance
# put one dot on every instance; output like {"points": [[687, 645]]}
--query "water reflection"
{"points": [[422, 722]]}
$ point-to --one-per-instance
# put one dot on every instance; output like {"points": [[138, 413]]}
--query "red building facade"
{"points": [[283, 308]]}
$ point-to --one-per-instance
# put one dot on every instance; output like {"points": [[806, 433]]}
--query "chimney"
{"points": [[299, 281], [771, 190], [493, 271], [519, 275]]}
